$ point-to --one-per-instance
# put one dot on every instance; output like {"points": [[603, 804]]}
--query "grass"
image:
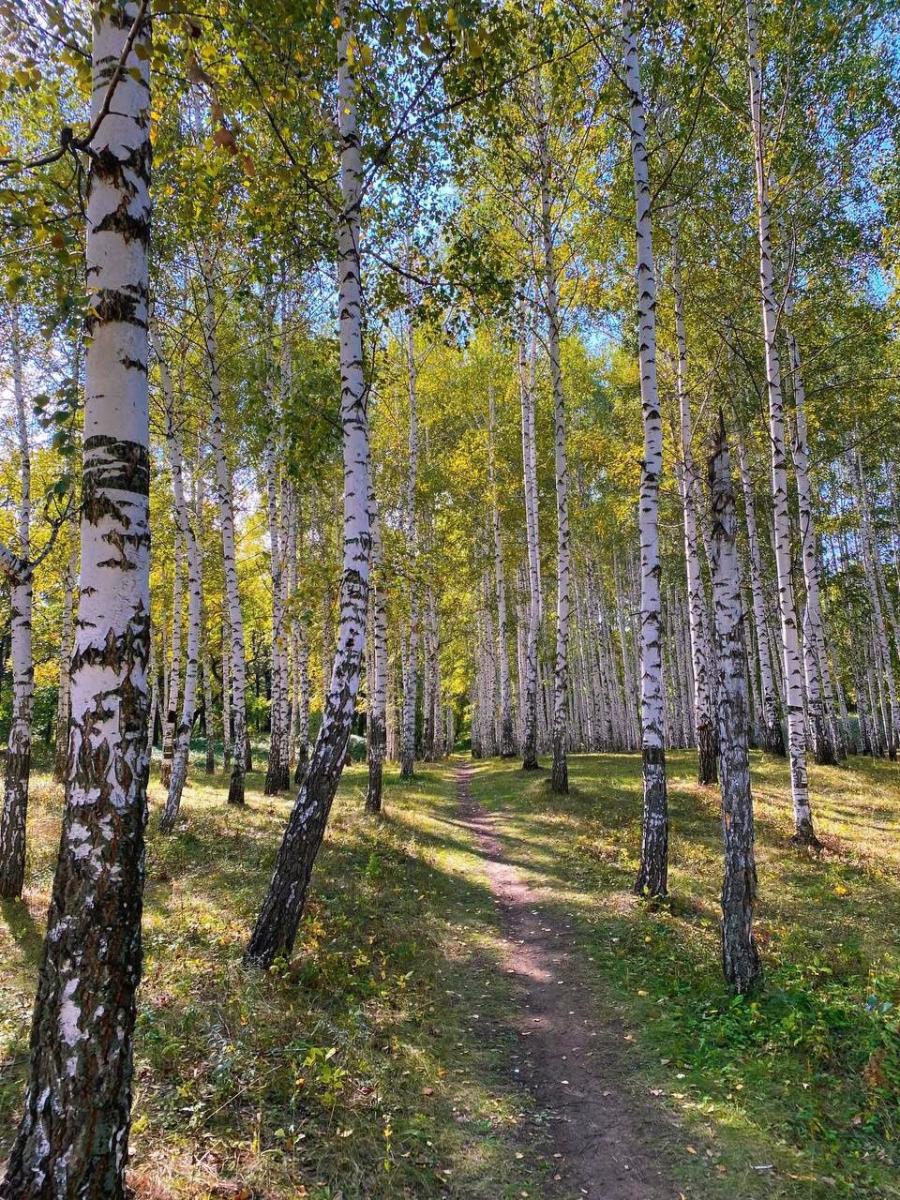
{"points": [[376, 1063], [804, 1078]]}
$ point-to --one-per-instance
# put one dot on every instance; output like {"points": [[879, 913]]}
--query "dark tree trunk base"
{"points": [[559, 774], [236, 788], [707, 756], [652, 877], [773, 740], [374, 790]]}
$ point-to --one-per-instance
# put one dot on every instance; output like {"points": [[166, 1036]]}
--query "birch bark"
{"points": [[704, 725], [652, 874], [773, 735], [64, 700], [379, 677], [276, 926], [819, 702], [181, 741], [740, 957], [19, 571], [73, 1136], [507, 737], [225, 505], [529, 471], [793, 675]]}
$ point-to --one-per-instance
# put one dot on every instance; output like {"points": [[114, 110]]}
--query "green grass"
{"points": [[376, 1064], [359, 1070], [805, 1076]]}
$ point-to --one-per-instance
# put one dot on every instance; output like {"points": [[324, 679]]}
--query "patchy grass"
{"points": [[795, 1092], [377, 1063], [359, 1071]]}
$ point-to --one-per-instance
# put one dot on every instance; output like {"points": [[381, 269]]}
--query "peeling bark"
{"points": [[73, 1137]]}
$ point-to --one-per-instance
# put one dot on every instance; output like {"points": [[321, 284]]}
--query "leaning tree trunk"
{"points": [[73, 1137], [377, 684], [225, 503], [507, 738], [177, 775], [21, 579], [652, 875], [559, 779], [701, 661], [529, 472], [740, 957], [64, 699], [276, 926], [793, 674]]}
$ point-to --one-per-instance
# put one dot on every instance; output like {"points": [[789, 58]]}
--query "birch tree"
{"points": [[276, 925], [652, 874], [19, 570], [73, 1136], [793, 675], [690, 500], [740, 957], [225, 505]]}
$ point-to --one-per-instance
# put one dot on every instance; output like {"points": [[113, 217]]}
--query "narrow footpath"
{"points": [[605, 1145]]}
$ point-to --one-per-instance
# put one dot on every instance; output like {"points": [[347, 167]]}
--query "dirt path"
{"points": [[605, 1147]]}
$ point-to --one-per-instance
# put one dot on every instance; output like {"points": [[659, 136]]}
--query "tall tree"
{"points": [[276, 925], [740, 957], [652, 874], [793, 675], [73, 1136]]}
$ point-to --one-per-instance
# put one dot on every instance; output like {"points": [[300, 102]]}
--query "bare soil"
{"points": [[606, 1143]]}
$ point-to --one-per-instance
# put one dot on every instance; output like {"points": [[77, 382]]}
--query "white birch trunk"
{"points": [[73, 1135], [793, 674], [559, 779], [819, 703], [652, 875], [276, 926], [529, 471], [872, 570], [507, 737], [181, 741], [225, 506], [740, 956], [701, 661], [64, 699], [21, 587]]}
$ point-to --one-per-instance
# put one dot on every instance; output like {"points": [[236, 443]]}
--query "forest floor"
{"points": [[419, 1042]]}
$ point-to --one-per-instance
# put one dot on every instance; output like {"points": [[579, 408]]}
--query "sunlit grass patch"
{"points": [[804, 1078]]}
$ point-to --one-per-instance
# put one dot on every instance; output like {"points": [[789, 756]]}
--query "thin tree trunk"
{"points": [[379, 661], [21, 578], [819, 705], [872, 571], [507, 736], [652, 875], [701, 661], [177, 775], [410, 643], [740, 957], [793, 675], [73, 1137], [529, 470], [276, 926], [173, 687], [225, 504], [63, 703]]}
